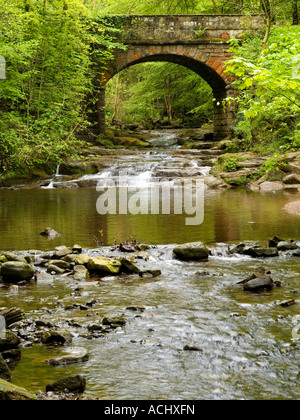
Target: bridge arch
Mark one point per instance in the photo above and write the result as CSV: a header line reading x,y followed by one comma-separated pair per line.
x,y
176,39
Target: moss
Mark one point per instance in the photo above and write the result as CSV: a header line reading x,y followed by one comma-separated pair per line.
x,y
9,391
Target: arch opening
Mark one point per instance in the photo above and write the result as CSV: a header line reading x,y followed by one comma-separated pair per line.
x,y
213,74
156,94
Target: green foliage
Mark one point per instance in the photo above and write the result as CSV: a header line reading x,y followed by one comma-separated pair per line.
x,y
50,49
274,163
269,85
228,163
159,91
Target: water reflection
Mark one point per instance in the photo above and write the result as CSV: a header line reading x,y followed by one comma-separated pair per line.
x,y
24,214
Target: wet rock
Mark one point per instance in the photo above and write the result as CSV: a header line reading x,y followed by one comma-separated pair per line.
x,y
75,384
82,259
274,242
15,271
114,322
12,392
42,277
291,179
10,256
128,266
296,253
102,266
12,357
53,269
268,186
91,302
149,273
64,265
286,246
10,341
50,233
80,273
259,284
136,308
259,252
77,249
127,248
4,370
238,249
61,251
191,251
75,355
287,303
55,337
188,347
12,315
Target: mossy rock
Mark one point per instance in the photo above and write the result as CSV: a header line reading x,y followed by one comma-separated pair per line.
x,y
103,265
130,142
10,392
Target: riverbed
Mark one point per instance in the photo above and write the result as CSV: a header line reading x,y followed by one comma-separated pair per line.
x,y
244,342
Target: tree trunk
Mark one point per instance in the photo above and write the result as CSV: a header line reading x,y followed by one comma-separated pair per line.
x,y
216,7
267,6
295,12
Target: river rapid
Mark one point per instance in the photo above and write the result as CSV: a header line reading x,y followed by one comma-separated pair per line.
x,y
190,333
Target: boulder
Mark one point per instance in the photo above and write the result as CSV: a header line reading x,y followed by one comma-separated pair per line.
x,y
75,355
42,277
128,266
189,347
12,392
80,273
259,284
10,256
64,265
191,251
55,337
50,233
53,269
149,273
61,251
10,341
82,259
4,370
259,252
274,242
77,249
15,271
286,246
75,384
11,315
103,266
268,186
114,322
292,179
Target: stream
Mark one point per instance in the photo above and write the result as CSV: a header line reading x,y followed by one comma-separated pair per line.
x,y
244,342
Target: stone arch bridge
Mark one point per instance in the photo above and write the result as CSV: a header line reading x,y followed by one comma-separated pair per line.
x,y
198,42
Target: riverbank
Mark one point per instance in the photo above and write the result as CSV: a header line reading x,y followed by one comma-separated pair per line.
x,y
120,301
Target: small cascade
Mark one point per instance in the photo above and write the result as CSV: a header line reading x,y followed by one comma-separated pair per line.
x,y
57,174
51,186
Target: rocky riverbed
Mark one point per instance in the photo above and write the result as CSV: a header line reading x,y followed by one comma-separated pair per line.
x,y
62,323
